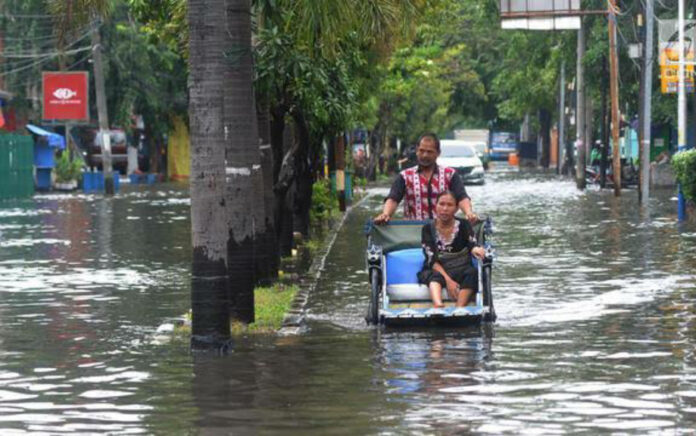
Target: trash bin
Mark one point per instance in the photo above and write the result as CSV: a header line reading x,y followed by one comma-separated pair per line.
x,y
94,181
43,178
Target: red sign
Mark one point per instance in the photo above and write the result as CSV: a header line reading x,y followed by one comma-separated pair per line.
x,y
66,96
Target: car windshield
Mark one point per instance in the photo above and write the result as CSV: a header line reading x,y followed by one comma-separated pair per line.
x,y
457,151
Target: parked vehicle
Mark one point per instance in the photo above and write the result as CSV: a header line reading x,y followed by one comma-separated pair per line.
x,y
89,142
462,157
502,144
477,138
394,257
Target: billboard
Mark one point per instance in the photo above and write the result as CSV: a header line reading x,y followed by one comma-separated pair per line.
x,y
540,14
668,36
66,96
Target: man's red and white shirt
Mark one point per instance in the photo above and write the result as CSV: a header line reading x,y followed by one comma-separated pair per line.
x,y
421,193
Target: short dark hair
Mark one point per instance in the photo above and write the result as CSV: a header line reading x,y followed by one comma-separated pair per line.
x,y
432,136
443,193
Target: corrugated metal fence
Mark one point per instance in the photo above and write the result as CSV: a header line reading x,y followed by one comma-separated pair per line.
x,y
16,166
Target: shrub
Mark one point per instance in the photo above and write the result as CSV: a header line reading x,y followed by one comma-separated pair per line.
x,y
68,169
361,182
324,202
684,165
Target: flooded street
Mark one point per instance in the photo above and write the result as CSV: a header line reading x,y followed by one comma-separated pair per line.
x,y
596,330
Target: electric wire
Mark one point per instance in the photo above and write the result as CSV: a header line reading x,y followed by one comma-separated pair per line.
x,y
46,59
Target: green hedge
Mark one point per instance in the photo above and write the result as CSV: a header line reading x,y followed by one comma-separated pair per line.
x,y
684,165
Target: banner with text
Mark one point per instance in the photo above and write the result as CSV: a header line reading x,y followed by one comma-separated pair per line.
x,y
668,31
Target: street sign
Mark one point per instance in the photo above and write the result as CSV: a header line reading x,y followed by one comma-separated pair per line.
x,y
668,32
66,96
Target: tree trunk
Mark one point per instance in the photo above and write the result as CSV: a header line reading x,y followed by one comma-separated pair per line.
x,y
209,294
376,138
303,174
283,180
243,200
268,260
284,198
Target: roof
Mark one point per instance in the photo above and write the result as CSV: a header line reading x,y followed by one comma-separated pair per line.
x,y
54,140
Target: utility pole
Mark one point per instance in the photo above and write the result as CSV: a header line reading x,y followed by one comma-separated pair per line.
x,y
614,91
646,115
101,109
561,120
605,128
580,110
681,109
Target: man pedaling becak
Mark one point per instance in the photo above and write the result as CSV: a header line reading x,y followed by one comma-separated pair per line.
x,y
420,185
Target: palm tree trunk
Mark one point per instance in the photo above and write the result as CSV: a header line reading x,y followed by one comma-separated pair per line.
x,y
209,282
244,198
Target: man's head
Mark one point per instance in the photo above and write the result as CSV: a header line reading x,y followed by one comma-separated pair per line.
x,y
428,150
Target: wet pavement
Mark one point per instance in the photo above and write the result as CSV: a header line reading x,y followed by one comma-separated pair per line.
x,y
596,303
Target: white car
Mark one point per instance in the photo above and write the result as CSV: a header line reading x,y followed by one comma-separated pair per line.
x,y
462,157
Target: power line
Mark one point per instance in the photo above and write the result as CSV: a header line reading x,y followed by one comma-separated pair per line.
x,y
46,59
33,55
38,79
10,15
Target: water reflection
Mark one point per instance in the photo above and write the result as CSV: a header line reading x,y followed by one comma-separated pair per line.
x,y
425,362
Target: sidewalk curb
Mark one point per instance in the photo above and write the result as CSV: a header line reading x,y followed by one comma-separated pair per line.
x,y
293,322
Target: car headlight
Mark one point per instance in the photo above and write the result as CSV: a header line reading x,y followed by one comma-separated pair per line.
x,y
477,170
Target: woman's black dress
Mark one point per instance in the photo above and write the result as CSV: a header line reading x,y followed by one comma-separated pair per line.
x,y
438,249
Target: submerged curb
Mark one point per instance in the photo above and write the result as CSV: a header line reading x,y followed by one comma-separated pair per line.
x,y
294,319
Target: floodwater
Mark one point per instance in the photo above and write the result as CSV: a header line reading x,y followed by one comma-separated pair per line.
x,y
596,329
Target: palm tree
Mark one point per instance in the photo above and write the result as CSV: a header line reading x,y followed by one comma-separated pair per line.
x,y
244,197
209,227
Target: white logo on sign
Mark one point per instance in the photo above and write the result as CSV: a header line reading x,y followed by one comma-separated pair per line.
x,y
64,93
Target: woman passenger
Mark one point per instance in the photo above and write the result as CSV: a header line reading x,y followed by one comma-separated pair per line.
x,y
448,243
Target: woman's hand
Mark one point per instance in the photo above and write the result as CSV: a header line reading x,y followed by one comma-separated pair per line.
x,y
478,252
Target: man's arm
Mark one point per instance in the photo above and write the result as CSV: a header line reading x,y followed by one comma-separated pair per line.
x,y
392,202
387,211
463,200
465,207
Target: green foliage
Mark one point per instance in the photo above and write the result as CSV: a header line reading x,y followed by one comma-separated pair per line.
x,y
70,15
324,202
684,165
270,306
143,75
164,21
68,169
361,182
